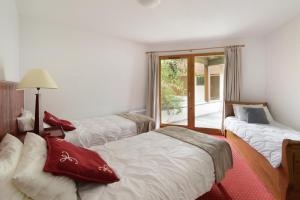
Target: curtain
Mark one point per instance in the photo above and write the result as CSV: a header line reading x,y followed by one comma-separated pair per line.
x,y
232,76
152,104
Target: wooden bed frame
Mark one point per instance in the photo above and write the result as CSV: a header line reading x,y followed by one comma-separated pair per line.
x,y
11,105
283,182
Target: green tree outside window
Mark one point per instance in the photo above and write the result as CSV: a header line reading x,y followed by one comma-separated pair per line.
x,y
173,84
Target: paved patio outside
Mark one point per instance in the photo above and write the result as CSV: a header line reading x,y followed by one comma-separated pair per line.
x,y
212,120
208,115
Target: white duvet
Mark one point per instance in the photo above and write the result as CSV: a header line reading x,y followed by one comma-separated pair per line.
x,y
99,130
266,139
153,166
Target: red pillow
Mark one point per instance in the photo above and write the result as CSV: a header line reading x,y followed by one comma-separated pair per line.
x,y
66,159
55,121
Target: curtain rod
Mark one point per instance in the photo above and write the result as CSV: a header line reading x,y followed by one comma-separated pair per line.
x,y
191,50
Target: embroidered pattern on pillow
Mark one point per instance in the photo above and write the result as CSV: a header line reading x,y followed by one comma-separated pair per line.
x,y
65,156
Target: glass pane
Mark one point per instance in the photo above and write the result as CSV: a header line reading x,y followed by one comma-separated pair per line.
x,y
209,74
174,91
215,87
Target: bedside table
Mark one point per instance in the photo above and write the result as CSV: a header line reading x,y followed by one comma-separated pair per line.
x,y
53,131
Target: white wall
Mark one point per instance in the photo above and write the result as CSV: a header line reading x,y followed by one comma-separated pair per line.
x,y
96,74
283,73
9,47
253,58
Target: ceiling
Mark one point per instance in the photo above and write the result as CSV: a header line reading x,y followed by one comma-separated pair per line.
x,y
172,20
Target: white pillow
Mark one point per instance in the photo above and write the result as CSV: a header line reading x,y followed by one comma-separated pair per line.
x,y
268,114
241,114
10,152
33,181
25,121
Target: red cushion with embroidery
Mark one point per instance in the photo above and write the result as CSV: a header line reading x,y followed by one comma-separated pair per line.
x,y
66,159
55,121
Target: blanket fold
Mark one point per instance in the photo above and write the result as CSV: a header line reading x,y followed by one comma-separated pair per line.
x,y
143,123
218,149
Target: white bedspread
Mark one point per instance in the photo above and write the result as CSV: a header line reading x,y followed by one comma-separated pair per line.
x,y
99,130
153,166
266,139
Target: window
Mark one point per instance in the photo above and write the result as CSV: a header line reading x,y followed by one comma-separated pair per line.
x,y
191,90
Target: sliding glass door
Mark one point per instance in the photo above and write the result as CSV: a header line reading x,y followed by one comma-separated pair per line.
x,y
191,91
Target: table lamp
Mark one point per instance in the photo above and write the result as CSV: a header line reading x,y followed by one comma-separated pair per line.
x,y
37,78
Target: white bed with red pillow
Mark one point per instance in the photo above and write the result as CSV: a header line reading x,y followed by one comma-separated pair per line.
x,y
99,130
147,166
93,131
153,166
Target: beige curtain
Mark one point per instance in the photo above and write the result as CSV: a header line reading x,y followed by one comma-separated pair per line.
x,y
232,76
152,104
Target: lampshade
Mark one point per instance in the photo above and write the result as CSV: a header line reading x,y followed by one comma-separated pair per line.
x,y
37,78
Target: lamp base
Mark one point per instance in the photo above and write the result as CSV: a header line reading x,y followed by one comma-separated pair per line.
x,y
38,122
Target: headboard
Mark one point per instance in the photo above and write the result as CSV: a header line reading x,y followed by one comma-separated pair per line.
x,y
229,107
11,105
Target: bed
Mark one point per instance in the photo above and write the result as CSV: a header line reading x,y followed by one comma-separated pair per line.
x,y
88,132
150,165
99,130
153,166
272,151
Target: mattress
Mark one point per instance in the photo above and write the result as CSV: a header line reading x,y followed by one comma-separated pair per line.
x,y
99,130
153,166
266,139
